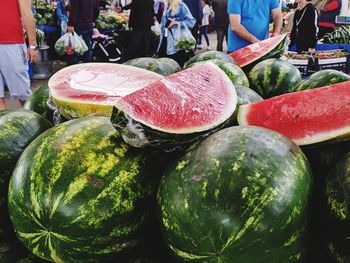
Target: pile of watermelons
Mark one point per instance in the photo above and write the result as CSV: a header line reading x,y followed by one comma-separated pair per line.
x,y
198,165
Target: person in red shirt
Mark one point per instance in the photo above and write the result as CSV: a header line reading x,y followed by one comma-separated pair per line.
x,y
326,19
14,53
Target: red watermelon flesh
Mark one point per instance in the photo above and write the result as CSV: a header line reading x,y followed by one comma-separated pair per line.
x,y
92,88
192,100
306,117
253,52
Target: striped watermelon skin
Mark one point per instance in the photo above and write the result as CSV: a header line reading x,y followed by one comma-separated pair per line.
x,y
163,67
238,196
337,213
80,194
17,130
273,77
210,55
323,78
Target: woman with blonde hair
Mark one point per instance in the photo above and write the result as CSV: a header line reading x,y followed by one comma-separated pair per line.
x,y
176,14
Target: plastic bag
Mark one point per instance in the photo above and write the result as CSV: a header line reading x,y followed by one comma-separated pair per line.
x,y
71,44
156,29
183,38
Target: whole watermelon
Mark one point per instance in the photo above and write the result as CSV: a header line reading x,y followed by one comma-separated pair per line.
x,y
18,128
272,77
246,95
241,195
163,67
323,78
234,72
209,55
337,214
37,102
80,194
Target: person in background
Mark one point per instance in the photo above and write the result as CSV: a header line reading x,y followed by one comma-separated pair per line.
x,y
62,17
82,15
221,22
304,31
158,9
176,14
196,9
14,53
249,21
140,21
326,19
203,30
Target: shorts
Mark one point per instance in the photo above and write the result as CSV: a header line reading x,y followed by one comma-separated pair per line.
x,y
14,71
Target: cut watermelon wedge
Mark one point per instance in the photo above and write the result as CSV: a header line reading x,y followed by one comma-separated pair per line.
x,y
306,117
177,109
272,47
92,88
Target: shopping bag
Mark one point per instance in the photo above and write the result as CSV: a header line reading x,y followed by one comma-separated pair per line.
x,y
79,45
183,37
156,29
70,44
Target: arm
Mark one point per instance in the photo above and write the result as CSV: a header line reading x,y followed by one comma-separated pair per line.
x,y
73,15
59,12
240,30
200,12
311,18
29,25
277,21
293,33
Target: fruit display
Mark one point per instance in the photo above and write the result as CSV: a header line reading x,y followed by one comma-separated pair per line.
x,y
241,195
163,67
272,77
159,164
306,117
340,35
174,111
250,55
93,88
112,21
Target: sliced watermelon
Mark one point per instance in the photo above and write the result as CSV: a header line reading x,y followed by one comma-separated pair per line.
x,y
306,117
92,88
272,47
177,109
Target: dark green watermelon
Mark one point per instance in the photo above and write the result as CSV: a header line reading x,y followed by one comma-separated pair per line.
x,y
80,194
241,195
17,130
209,55
323,78
272,77
234,72
337,214
163,67
173,64
37,102
246,95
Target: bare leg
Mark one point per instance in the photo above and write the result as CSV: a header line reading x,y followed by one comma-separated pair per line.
x,y
2,104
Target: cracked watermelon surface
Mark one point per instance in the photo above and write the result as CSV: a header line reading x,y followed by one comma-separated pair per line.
x,y
177,109
306,117
240,195
250,55
80,194
93,88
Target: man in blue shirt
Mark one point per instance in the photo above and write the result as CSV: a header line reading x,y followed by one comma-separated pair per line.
x,y
249,21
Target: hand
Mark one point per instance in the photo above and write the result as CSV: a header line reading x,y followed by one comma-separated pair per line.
x,y
32,55
254,40
70,29
118,9
172,22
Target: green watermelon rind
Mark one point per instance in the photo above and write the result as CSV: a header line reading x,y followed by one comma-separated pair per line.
x,y
155,65
209,55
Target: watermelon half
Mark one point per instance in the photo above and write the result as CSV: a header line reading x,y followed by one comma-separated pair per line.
x,y
178,109
306,117
92,88
272,47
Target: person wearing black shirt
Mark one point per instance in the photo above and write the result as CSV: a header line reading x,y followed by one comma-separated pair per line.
x,y
304,31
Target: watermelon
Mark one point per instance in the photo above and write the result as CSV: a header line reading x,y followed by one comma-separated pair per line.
x,y
89,193
234,72
172,63
306,117
337,214
92,88
246,95
13,252
37,102
156,65
178,109
250,55
209,55
240,195
273,77
18,128
323,78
